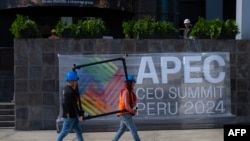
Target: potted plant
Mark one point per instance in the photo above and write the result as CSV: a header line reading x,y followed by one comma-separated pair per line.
x,y
24,27
64,30
144,27
74,30
229,29
148,27
165,29
200,29
90,28
93,28
215,28
127,27
78,30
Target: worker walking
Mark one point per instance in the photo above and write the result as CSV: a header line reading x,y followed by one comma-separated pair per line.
x,y
72,110
188,29
127,103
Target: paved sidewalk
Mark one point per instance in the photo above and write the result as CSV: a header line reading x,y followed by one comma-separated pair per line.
x,y
155,135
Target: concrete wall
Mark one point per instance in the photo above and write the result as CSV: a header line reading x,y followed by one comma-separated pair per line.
x,y
36,74
6,86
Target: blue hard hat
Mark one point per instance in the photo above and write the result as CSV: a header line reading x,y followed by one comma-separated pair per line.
x,y
72,76
130,78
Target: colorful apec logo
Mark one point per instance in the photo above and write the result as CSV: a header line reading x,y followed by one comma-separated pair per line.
x,y
99,84
97,87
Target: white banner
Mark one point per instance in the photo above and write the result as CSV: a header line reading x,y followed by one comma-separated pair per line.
x,y
169,85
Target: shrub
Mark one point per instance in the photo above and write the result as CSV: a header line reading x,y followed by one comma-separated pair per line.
x,y
200,29
214,29
127,27
24,27
94,27
229,29
165,29
90,28
148,27
144,27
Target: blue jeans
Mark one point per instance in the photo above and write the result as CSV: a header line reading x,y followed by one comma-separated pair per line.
x,y
126,123
68,124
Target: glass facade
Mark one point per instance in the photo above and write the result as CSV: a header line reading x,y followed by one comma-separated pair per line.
x,y
126,5
48,12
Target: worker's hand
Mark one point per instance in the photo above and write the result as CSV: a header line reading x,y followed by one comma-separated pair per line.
x,y
81,118
134,110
